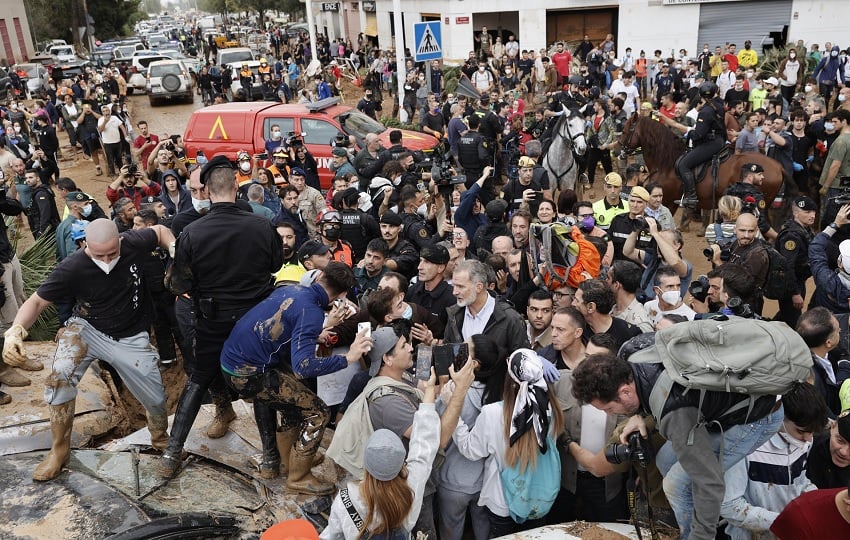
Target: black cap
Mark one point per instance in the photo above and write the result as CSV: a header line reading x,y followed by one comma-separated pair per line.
x,y
495,209
77,196
217,162
310,248
753,167
436,254
150,199
391,218
805,203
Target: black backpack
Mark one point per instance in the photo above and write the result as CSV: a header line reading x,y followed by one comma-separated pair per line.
x,y
778,276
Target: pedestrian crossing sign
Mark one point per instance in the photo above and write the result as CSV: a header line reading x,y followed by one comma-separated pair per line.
x,y
428,39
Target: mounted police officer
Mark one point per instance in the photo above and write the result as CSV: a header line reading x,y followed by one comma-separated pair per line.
x,y
706,139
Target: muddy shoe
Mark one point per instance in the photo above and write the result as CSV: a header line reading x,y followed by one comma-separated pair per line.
x,y
10,377
30,364
5,398
168,466
61,424
221,423
301,479
158,427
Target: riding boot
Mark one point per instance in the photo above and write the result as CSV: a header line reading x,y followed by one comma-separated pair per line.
x,y
301,479
267,425
285,441
187,410
224,415
689,198
158,427
10,376
61,424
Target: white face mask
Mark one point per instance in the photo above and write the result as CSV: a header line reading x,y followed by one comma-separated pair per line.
x,y
808,88
842,97
106,267
792,56
201,205
276,135
422,210
829,126
671,297
481,68
86,211
245,166
18,128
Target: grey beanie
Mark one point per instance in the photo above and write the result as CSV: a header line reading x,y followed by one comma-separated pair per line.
x,y
384,456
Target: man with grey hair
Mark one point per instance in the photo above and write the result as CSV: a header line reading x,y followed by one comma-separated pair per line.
x,y
477,312
456,127
255,199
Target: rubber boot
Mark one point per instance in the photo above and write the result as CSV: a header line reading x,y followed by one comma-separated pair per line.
x,y
267,425
689,198
187,410
301,479
61,424
285,441
224,415
10,376
158,427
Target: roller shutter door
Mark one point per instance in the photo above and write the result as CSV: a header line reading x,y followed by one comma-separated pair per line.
x,y
736,22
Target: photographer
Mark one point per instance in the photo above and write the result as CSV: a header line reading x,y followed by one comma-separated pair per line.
x,y
835,178
750,252
132,184
832,289
665,247
162,158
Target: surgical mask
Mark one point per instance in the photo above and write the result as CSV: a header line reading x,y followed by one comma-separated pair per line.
x,y
792,441
408,312
829,126
808,88
201,205
758,87
201,159
397,180
587,224
422,210
792,56
332,233
18,128
245,166
276,135
833,54
671,297
750,74
842,97
481,69
705,50
508,72
86,211
106,267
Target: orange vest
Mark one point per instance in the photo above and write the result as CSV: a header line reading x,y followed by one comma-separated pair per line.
x,y
280,177
342,253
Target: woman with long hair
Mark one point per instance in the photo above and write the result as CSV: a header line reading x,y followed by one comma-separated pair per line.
x,y
514,432
271,200
461,479
389,498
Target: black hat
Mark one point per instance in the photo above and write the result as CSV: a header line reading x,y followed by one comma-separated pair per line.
x,y
217,162
391,218
150,199
339,152
77,196
310,248
495,209
805,203
753,167
485,98
436,254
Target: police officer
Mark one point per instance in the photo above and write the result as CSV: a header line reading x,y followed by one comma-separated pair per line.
x,y
358,227
225,261
793,244
706,139
752,176
491,127
368,107
395,149
474,153
418,230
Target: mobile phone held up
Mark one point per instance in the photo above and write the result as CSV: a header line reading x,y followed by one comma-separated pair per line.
x,y
440,357
365,326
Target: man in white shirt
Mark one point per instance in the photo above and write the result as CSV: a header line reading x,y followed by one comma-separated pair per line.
x,y
725,80
626,86
112,132
668,296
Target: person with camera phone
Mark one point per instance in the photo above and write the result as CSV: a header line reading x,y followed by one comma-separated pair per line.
x,y
163,158
832,288
524,192
133,184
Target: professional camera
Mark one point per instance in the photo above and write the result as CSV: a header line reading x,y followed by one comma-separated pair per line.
x,y
638,450
441,169
843,197
640,224
699,288
725,253
295,139
739,308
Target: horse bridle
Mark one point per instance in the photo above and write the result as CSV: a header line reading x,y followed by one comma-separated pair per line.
x,y
570,143
626,147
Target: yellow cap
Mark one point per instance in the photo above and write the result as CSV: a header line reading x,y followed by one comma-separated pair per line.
x,y
526,162
614,179
640,193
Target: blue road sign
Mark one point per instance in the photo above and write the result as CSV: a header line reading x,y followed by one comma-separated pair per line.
x,y
428,41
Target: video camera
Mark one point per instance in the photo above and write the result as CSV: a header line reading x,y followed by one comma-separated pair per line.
x,y
638,450
844,197
739,308
441,170
294,139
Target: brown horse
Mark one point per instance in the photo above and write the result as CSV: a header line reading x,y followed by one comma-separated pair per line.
x,y
661,148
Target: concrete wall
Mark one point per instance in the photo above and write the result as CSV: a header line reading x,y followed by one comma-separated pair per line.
x,y
14,30
820,21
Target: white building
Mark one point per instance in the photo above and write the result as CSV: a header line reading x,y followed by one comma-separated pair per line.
x,y
16,44
640,24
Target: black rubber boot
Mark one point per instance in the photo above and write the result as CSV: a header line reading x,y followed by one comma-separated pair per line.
x,y
689,199
187,410
267,425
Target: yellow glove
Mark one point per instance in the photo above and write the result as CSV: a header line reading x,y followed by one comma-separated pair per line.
x,y
13,346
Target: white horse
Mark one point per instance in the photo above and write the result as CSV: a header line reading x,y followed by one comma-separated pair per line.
x,y
567,139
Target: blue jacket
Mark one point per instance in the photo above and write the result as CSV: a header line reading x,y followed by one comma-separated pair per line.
x,y
463,217
830,291
323,90
281,331
829,69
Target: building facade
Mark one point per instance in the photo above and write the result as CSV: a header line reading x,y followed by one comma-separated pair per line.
x,y
16,44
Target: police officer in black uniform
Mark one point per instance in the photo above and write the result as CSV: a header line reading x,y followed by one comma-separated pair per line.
x,y
747,189
395,149
474,152
358,227
225,261
706,139
793,244
418,230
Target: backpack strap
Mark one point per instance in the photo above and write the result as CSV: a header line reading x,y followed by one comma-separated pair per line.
x,y
349,507
659,394
718,233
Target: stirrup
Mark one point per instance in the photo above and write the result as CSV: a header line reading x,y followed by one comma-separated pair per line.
x,y
689,201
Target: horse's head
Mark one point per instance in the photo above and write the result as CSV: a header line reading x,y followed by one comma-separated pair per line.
x,y
630,138
575,132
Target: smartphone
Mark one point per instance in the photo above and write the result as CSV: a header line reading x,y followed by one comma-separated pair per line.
x,y
461,355
263,155
538,196
364,326
423,362
443,358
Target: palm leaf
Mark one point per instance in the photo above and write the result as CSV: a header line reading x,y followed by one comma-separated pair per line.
x,y
37,261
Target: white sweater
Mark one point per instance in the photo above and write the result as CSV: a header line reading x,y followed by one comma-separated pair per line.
x,y
424,442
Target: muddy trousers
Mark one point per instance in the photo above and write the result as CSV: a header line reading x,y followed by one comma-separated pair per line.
x,y
133,358
300,407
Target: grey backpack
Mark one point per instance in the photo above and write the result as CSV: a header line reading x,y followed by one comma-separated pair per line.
x,y
737,355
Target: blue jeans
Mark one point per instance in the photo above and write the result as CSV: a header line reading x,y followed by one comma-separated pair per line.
x,y
738,443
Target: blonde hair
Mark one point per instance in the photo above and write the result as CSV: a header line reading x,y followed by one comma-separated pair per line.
x,y
387,502
524,451
729,207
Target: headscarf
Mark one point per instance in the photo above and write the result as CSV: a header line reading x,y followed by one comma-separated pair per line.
x,y
531,408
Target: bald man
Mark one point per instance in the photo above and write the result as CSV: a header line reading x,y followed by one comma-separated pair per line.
x,y
110,323
750,251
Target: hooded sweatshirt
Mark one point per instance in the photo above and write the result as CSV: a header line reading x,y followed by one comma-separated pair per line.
x,y
827,70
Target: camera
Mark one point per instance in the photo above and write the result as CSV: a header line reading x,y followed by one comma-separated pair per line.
x,y
699,287
725,253
739,308
441,170
638,450
294,139
132,169
640,224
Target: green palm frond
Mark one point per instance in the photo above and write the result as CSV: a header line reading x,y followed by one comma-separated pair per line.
x,y
37,262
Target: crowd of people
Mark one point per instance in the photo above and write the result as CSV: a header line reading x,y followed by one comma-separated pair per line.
x,y
474,361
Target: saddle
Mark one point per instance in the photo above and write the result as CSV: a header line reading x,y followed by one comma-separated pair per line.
x,y
700,170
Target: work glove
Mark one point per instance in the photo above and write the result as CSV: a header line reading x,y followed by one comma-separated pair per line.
x,y
550,372
797,167
13,346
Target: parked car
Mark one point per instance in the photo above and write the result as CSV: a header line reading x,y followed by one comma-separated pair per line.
x,y
230,127
139,63
35,77
236,85
64,53
234,55
167,80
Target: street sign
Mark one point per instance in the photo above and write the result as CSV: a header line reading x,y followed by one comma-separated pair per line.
x,y
428,39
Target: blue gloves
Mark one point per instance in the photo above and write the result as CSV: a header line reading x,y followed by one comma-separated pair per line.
x,y
797,167
810,158
550,372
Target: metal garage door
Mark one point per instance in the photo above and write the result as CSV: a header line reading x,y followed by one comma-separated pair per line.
x,y
736,22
